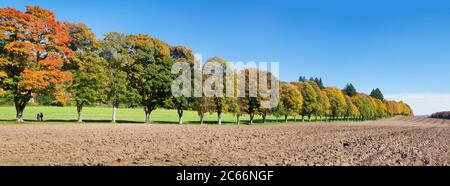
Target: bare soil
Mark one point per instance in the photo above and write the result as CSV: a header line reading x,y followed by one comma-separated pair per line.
x,y
402,141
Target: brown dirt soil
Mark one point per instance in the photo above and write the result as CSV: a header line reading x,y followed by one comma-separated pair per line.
x,y
402,141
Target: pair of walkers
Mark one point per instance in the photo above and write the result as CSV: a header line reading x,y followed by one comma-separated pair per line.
x,y
40,117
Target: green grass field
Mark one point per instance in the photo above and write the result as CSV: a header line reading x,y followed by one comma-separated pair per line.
x,y
125,115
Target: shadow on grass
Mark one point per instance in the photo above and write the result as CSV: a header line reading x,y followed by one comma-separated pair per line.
x,y
72,121
210,122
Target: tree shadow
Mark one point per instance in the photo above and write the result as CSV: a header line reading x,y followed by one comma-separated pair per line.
x,y
93,121
73,121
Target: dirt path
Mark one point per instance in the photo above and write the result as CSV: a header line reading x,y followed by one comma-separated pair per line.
x,y
405,141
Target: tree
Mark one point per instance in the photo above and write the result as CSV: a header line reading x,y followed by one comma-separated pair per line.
x,y
150,71
380,108
220,101
302,79
182,54
323,106
364,105
309,99
351,111
254,98
253,103
337,101
376,93
203,105
291,101
391,107
318,81
115,51
237,104
86,67
279,111
406,109
237,107
33,48
263,111
350,90
441,115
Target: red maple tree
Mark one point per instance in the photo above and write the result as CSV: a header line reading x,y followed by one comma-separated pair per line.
x,y
33,49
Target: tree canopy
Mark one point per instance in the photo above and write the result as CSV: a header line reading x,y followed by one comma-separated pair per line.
x,y
291,101
350,90
376,93
34,47
337,101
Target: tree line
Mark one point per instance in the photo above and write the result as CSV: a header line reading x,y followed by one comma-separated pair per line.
x,y
441,115
58,63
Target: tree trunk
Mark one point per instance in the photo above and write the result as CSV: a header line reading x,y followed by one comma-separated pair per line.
x,y
286,118
251,118
20,104
80,111
19,114
238,119
114,114
147,117
202,115
303,118
180,116
264,118
219,118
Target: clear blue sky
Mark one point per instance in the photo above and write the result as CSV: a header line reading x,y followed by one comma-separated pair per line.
x,y
400,46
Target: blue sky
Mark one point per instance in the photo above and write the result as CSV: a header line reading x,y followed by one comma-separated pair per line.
x,y
402,47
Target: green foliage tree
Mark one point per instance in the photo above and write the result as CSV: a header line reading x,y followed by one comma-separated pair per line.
x,y
280,111
115,51
302,79
318,81
150,71
376,93
87,68
350,90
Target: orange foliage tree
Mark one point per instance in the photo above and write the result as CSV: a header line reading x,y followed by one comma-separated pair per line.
x,y
33,49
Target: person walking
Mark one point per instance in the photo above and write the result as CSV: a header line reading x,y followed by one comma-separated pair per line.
x,y
38,117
